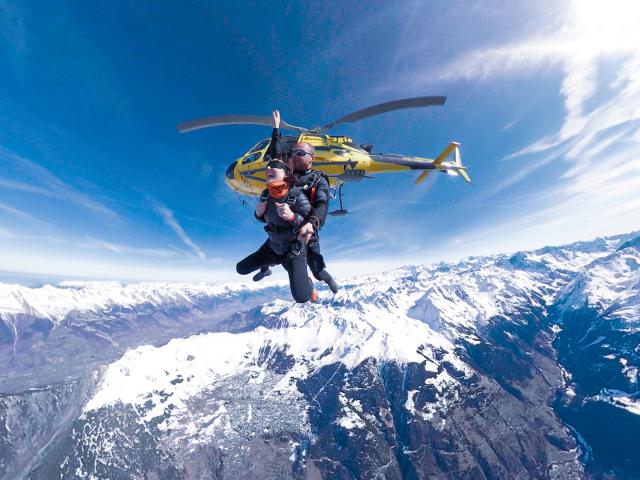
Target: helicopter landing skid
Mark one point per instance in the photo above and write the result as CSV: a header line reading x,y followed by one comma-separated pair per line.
x,y
342,211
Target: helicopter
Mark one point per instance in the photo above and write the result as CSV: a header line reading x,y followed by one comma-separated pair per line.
x,y
337,156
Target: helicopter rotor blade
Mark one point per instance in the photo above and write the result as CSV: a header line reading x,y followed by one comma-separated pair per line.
x,y
288,126
233,120
386,107
223,120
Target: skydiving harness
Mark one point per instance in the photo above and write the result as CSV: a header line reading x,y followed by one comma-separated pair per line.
x,y
310,187
290,200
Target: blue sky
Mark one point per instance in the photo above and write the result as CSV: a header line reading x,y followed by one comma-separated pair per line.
x,y
96,182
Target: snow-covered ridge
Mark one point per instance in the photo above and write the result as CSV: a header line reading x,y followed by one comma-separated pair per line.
x,y
611,285
55,302
308,337
404,315
422,329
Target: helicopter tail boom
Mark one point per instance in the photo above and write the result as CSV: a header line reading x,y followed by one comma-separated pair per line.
x,y
455,168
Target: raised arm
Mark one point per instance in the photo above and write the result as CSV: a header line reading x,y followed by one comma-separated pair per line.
x,y
275,148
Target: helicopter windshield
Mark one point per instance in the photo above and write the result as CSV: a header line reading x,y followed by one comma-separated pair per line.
x,y
256,152
230,170
263,144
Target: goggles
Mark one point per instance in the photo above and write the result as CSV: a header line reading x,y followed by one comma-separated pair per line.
x,y
297,153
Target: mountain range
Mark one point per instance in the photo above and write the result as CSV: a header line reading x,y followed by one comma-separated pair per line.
x,y
520,365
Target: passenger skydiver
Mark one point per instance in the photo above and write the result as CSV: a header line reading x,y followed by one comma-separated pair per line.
x,y
283,207
315,185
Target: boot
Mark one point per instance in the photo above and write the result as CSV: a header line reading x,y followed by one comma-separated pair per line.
x,y
328,279
264,272
314,296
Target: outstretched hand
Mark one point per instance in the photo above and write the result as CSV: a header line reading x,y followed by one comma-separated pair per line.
x,y
275,119
306,232
284,212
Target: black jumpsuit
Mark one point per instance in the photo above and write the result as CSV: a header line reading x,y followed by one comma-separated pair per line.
x,y
283,245
318,188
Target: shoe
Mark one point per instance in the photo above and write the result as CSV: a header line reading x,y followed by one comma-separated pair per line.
x,y
332,284
314,296
328,279
264,272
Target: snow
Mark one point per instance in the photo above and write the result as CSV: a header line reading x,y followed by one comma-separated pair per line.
x,y
618,398
630,371
351,413
353,334
404,315
410,403
611,285
56,302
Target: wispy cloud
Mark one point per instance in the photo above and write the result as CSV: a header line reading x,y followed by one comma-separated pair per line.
x,y
21,214
592,32
93,243
597,138
509,125
43,182
170,220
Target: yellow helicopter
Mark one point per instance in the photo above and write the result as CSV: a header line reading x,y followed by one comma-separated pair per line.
x,y
337,156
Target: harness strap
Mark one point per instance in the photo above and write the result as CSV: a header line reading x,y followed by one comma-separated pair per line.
x,y
270,227
292,196
311,185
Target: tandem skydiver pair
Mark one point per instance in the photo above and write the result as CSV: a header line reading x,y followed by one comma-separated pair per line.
x,y
293,207
342,159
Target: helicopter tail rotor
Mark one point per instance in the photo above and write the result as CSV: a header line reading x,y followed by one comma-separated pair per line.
x,y
455,168
458,167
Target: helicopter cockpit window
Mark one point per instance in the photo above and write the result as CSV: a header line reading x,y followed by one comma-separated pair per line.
x,y
252,158
262,145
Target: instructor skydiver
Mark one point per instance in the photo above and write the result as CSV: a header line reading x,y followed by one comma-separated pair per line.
x,y
315,185
284,208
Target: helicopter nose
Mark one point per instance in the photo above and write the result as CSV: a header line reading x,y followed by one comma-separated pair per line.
x,y
230,170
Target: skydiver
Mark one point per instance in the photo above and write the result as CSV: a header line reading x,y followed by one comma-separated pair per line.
x,y
283,207
316,186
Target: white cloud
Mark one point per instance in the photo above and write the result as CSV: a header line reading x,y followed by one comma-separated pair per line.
x,y
510,125
21,214
592,32
170,220
48,185
74,266
92,243
598,139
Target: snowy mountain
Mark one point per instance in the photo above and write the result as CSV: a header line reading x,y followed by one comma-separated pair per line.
x,y
510,366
